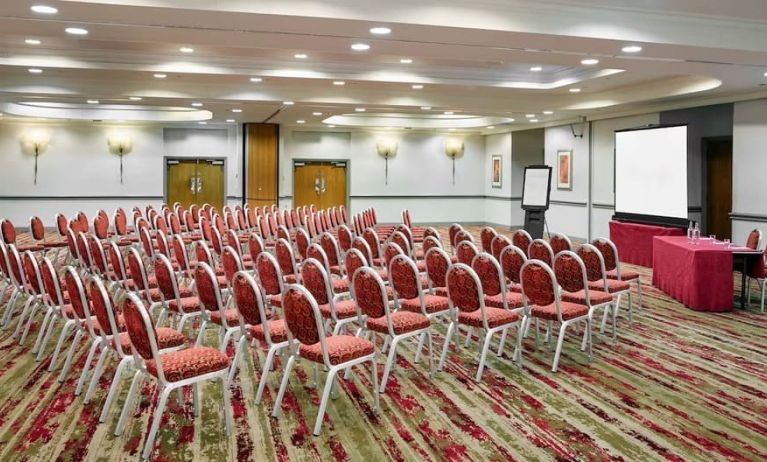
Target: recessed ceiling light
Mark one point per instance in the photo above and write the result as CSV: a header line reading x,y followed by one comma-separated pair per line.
x,y
237,110
491,127
300,121
339,83
44,9
360,109
256,79
575,90
631,49
331,126
511,120
452,129
202,122
589,61
160,76
93,101
765,74
417,86
426,108
529,116
406,61
449,112
35,70
316,113
135,98
288,103
533,120
548,112
197,104
32,42
300,56
536,69
380,30
360,46
230,120
186,50
76,31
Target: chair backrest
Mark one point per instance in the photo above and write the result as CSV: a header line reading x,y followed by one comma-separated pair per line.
x,y
369,293
754,239
371,237
32,273
315,279
62,223
252,220
51,283
77,296
98,255
486,236
330,246
166,279
233,241
283,233
594,262
437,264
429,242
283,252
302,242
146,242
391,250
354,260
248,299
464,290
431,232
117,262
269,274
570,272
101,226
512,259
102,306
559,242
521,239
345,237
397,237
609,252
452,231
362,246
406,218
540,250
83,251
179,252
202,253
216,243
141,332
162,243
255,245
316,252
137,270
302,316
539,285
231,262
36,228
466,251
174,223
404,278
497,245
14,263
462,236
8,231
490,274
208,290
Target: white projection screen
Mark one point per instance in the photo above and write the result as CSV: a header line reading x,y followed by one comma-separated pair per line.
x,y
651,172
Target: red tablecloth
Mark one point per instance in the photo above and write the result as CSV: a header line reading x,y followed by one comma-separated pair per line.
x,y
635,241
699,276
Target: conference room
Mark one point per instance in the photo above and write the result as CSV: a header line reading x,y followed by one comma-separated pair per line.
x,y
289,231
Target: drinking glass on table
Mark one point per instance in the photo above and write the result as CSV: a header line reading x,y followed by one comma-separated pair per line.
x,y
727,243
712,237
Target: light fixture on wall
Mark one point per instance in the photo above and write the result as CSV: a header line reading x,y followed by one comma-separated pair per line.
x,y
120,143
386,148
581,125
453,149
36,141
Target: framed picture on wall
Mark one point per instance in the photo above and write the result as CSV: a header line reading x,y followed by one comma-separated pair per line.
x,y
565,170
496,173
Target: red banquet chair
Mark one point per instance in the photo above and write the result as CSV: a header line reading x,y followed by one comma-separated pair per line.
x,y
336,353
521,239
317,281
8,232
597,276
486,236
613,268
497,245
559,243
541,250
465,251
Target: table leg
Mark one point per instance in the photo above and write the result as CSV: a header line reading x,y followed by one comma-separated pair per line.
x,y
743,284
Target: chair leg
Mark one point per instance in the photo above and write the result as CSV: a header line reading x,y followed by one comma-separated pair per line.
x,y
448,336
283,386
196,400
86,367
225,340
33,312
96,374
49,331
10,308
201,335
389,361
559,347
70,355
325,395
764,285
483,355
502,342
421,339
227,406
604,319
134,388
469,331
374,382
520,335
63,335
265,373
639,292
113,388
237,357
42,330
23,317
149,445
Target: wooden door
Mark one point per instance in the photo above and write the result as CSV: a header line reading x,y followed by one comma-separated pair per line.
x,y
195,181
322,184
718,187
262,153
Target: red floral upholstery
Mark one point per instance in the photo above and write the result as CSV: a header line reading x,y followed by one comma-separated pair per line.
x,y
432,304
596,297
207,287
31,272
116,260
354,260
626,275
344,309
391,250
300,316
231,263
248,298
437,263
315,281
513,300
463,289
608,254
137,328
538,285
402,322
188,363
188,305
613,285
255,245
569,273
368,294
163,271
495,317
539,250
404,278
400,239
284,255
497,245
101,304
101,226
489,274
486,238
136,268
569,311
269,274
73,283
559,243
277,331
328,243
452,231
37,229
50,280
232,319
340,286
371,237
344,238
341,349
752,241
465,251
302,242
166,338
8,231
521,239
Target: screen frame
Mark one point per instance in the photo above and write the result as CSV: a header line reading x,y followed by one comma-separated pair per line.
x,y
548,193
643,218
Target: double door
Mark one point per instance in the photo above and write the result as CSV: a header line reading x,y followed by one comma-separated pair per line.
x,y
195,181
320,183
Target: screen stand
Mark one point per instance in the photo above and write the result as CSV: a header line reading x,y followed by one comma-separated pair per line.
x,y
534,222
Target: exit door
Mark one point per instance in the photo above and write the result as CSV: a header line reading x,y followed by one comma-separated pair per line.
x,y
322,184
195,181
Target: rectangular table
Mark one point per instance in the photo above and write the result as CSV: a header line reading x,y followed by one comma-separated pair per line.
x,y
698,275
635,241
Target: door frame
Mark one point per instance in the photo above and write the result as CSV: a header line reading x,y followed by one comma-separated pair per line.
x,y
704,176
165,160
348,163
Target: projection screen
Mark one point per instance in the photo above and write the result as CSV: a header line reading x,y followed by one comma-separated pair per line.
x,y
651,172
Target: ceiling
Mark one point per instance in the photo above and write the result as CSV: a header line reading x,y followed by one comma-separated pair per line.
x,y
472,58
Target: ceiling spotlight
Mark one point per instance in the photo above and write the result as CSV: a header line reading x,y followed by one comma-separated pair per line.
x,y
230,121
360,46
256,79
765,74
631,49
186,50
135,98
300,56
533,120
360,109
76,31
44,9
426,108
339,83
93,101
32,42
449,113
331,126
589,61
237,110
197,104
417,87
536,69
35,70
406,61
202,122
316,114
300,121
575,90
529,116
288,103
160,76
380,30
548,112
511,120
491,127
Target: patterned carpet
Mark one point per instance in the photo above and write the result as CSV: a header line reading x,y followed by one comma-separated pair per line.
x,y
678,385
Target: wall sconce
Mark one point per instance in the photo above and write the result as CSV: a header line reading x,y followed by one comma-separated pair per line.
x,y
36,141
453,149
386,148
120,143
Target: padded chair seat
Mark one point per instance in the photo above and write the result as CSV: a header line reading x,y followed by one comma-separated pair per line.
x,y
613,286
513,300
97,327
420,266
626,275
188,304
156,295
402,322
597,297
125,242
54,244
30,247
275,300
290,278
166,338
344,309
433,304
514,287
495,317
341,349
440,291
340,286
232,319
569,311
277,331
188,363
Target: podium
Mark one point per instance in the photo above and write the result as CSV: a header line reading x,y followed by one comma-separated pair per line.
x,y
536,189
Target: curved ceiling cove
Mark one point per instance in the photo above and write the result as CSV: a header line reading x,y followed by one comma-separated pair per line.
x,y
132,113
416,121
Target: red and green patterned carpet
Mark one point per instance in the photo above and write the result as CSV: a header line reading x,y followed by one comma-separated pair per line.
x,y
679,385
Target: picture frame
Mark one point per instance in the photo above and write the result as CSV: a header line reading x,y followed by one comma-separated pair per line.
x,y
496,171
565,170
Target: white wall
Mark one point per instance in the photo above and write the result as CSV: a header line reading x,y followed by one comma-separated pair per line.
x,y
77,171
569,213
749,164
498,202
